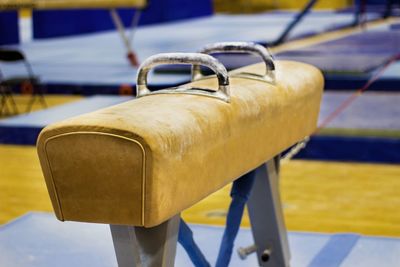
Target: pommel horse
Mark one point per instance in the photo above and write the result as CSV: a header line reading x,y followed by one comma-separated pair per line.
x,y
137,165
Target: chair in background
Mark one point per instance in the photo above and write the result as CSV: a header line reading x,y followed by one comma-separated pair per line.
x,y
29,83
6,96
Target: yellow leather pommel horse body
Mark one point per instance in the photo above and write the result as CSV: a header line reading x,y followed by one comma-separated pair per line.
x,y
138,164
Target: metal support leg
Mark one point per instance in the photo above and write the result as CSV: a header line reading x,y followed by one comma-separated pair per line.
x,y
146,247
7,95
3,101
121,30
266,217
37,93
295,21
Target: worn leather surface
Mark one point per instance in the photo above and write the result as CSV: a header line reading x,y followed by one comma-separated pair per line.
x,y
143,161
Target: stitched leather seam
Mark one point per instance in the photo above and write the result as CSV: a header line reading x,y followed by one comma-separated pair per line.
x,y
108,134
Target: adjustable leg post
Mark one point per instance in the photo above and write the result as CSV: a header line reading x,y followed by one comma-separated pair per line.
x,y
266,217
146,247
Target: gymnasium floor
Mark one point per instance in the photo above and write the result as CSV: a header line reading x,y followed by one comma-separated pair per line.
x,y
324,197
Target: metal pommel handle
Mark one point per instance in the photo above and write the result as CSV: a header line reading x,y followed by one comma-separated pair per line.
x,y
241,47
195,59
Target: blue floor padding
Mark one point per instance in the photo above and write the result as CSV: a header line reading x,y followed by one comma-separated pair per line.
x,y
77,63
25,128
338,63
345,82
377,46
39,240
352,149
395,26
360,52
392,72
375,8
376,41
347,62
372,111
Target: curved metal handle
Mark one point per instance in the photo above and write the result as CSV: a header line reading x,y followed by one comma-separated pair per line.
x,y
184,58
240,47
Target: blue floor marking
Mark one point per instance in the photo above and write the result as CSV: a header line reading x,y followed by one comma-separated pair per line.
x,y
335,251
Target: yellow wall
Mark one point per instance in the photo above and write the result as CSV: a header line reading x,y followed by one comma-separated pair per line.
x,y
327,4
25,13
251,6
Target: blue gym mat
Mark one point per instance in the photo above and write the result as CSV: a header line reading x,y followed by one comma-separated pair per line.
x,y
39,240
82,64
25,128
392,72
377,6
356,53
371,110
366,131
347,62
374,45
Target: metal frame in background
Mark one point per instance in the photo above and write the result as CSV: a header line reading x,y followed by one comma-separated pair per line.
x,y
51,4
359,17
12,55
156,247
127,41
6,96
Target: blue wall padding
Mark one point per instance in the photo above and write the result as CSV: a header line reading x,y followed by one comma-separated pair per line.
x,y
22,135
9,31
372,2
185,238
240,193
354,149
347,82
183,9
56,23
